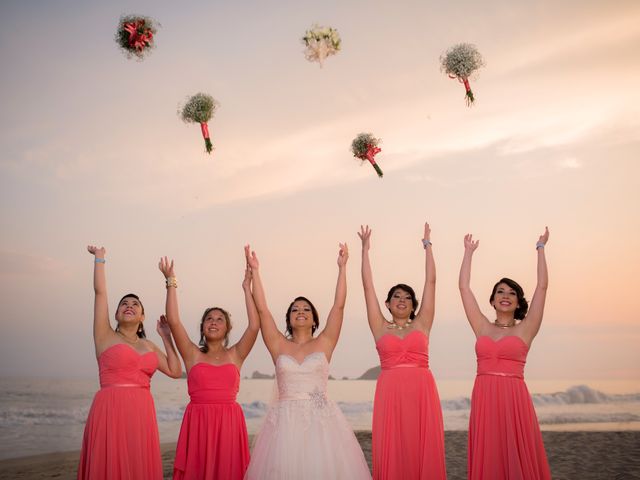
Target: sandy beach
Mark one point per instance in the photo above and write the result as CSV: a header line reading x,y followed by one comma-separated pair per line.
x,y
572,455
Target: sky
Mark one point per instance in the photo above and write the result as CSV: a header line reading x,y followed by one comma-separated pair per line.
x,y
92,151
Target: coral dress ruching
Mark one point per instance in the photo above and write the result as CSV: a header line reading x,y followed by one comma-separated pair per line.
x,y
305,436
408,436
504,436
121,439
213,441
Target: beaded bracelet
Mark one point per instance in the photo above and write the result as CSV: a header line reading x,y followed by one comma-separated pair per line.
x,y
539,245
426,243
100,260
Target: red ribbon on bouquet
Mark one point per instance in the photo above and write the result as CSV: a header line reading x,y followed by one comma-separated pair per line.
x,y
469,94
371,152
205,134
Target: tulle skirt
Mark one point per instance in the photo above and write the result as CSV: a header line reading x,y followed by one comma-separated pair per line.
x,y
307,439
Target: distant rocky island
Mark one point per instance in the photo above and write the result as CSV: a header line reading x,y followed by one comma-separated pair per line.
x,y
372,374
256,375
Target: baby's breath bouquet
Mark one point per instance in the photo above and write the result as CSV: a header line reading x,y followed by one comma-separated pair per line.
x,y
200,109
365,147
460,62
320,42
135,35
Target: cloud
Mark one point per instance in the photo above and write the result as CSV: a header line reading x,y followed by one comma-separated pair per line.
x,y
19,263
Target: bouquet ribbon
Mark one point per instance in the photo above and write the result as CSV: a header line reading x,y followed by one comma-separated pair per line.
x,y
371,152
205,130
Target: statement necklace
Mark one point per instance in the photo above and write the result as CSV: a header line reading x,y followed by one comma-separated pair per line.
x,y
507,325
393,325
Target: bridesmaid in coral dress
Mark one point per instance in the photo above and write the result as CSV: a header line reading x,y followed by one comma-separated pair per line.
x,y
408,436
213,440
121,434
504,436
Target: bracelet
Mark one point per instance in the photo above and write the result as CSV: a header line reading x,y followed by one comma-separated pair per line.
x,y
100,260
426,243
539,245
172,282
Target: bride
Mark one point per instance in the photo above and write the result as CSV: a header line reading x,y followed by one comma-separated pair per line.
x,y
305,435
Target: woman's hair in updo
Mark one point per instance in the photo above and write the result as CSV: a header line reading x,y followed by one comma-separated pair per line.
x,y
523,305
314,312
409,290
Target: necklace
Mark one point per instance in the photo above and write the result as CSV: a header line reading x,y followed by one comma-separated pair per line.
x,y
393,325
126,339
506,325
217,355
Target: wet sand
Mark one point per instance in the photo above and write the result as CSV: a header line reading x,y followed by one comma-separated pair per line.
x,y
572,455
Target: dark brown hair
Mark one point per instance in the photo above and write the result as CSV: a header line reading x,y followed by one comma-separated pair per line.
x,y
523,305
140,332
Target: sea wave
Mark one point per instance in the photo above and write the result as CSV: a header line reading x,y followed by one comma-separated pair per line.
x,y
549,406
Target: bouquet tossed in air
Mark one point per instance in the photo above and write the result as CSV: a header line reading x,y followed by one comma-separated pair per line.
x,y
365,147
135,35
199,109
460,62
320,42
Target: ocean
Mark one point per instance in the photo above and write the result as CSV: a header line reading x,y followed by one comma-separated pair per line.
x,y
48,415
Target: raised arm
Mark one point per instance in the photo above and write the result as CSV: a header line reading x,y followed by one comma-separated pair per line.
x,y
425,315
532,321
248,339
188,350
101,327
471,308
168,363
331,332
272,337
374,314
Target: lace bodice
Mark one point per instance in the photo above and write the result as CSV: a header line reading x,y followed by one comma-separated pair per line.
x,y
302,381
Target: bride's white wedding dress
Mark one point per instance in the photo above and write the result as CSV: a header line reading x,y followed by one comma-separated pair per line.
x,y
305,435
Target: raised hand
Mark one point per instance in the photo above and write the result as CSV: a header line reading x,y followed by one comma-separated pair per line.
x,y
166,267
365,236
162,327
544,238
469,243
248,276
427,232
98,252
252,259
343,255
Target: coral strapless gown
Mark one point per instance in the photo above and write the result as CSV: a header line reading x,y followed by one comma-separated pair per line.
x,y
504,436
213,441
121,439
408,434
305,435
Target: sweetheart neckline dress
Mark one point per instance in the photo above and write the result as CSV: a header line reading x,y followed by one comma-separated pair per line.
x,y
504,436
121,440
407,430
305,435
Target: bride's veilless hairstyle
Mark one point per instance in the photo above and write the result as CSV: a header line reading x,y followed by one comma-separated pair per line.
x,y
140,332
204,348
523,305
409,290
316,318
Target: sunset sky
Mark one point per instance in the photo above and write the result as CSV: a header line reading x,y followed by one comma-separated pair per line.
x,y
92,151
